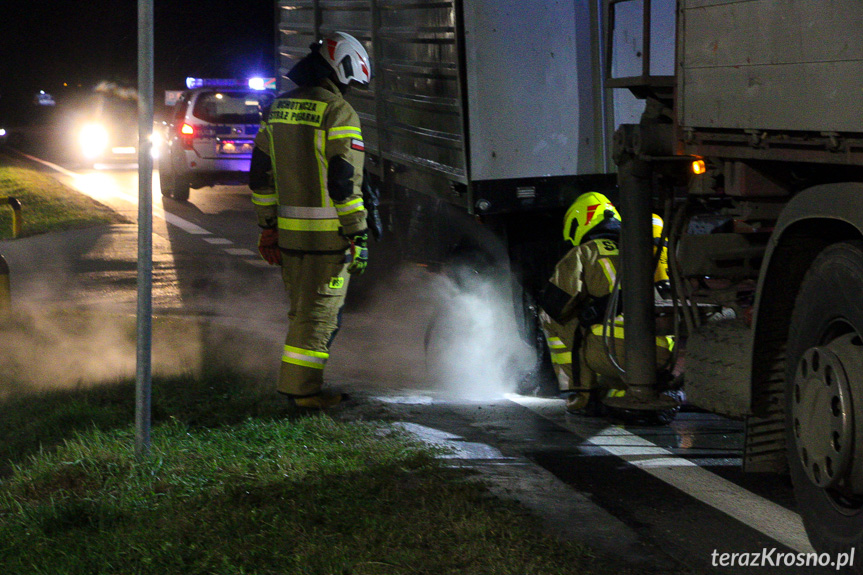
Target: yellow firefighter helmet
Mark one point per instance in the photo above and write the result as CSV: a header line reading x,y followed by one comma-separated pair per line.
x,y
586,212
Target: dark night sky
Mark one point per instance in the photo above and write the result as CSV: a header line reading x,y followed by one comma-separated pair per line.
x,y
44,43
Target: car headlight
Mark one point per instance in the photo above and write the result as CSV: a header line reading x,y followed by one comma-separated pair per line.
x,y
2,132
93,140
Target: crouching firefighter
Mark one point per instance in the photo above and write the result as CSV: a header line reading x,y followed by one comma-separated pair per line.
x,y
306,178
574,303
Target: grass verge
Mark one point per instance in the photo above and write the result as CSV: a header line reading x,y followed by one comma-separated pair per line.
x,y
47,205
238,483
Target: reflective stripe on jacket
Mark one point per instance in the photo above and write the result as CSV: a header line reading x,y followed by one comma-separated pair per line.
x,y
617,332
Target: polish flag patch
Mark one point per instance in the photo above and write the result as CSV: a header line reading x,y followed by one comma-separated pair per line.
x,y
358,145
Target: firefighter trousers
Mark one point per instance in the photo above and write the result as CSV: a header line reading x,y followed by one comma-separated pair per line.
x,y
570,342
317,285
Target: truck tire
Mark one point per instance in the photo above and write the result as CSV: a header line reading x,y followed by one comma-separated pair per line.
x,y
824,400
533,263
472,344
540,381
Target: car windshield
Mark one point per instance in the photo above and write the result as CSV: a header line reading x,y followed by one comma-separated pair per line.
x,y
225,107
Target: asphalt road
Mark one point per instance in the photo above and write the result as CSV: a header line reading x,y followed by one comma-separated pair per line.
x,y
667,499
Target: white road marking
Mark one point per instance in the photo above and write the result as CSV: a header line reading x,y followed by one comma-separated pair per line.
x,y
405,399
773,520
159,212
179,222
457,446
60,169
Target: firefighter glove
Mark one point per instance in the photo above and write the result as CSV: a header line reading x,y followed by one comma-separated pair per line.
x,y
268,246
359,257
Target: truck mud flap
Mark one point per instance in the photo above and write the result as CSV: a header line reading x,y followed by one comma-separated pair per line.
x,y
717,373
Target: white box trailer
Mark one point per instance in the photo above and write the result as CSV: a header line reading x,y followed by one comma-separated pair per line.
x,y
484,120
491,105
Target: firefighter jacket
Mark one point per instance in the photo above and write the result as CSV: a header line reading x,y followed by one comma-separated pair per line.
x,y
575,305
581,278
586,272
311,187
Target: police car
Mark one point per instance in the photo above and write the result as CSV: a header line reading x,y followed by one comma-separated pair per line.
x,y
209,138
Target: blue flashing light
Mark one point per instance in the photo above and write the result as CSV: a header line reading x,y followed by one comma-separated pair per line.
x,y
262,83
253,83
192,83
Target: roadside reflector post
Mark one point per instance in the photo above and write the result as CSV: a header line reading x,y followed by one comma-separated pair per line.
x,y
15,204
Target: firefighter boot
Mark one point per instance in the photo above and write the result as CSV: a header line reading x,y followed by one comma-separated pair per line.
x,y
585,403
323,400
577,402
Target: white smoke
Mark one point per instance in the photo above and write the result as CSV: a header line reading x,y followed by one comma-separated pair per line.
x,y
47,349
116,90
474,349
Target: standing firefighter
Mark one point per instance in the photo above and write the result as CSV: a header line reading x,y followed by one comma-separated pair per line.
x,y
574,305
306,178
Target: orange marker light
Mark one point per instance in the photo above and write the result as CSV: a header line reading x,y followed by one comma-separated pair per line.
x,y
698,167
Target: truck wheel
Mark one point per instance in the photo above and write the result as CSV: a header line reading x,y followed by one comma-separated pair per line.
x,y
472,343
824,400
534,263
541,380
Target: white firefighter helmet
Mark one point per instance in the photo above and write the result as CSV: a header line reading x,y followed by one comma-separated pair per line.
x,y
347,56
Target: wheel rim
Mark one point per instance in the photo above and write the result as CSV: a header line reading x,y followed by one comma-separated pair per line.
x,y
827,380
